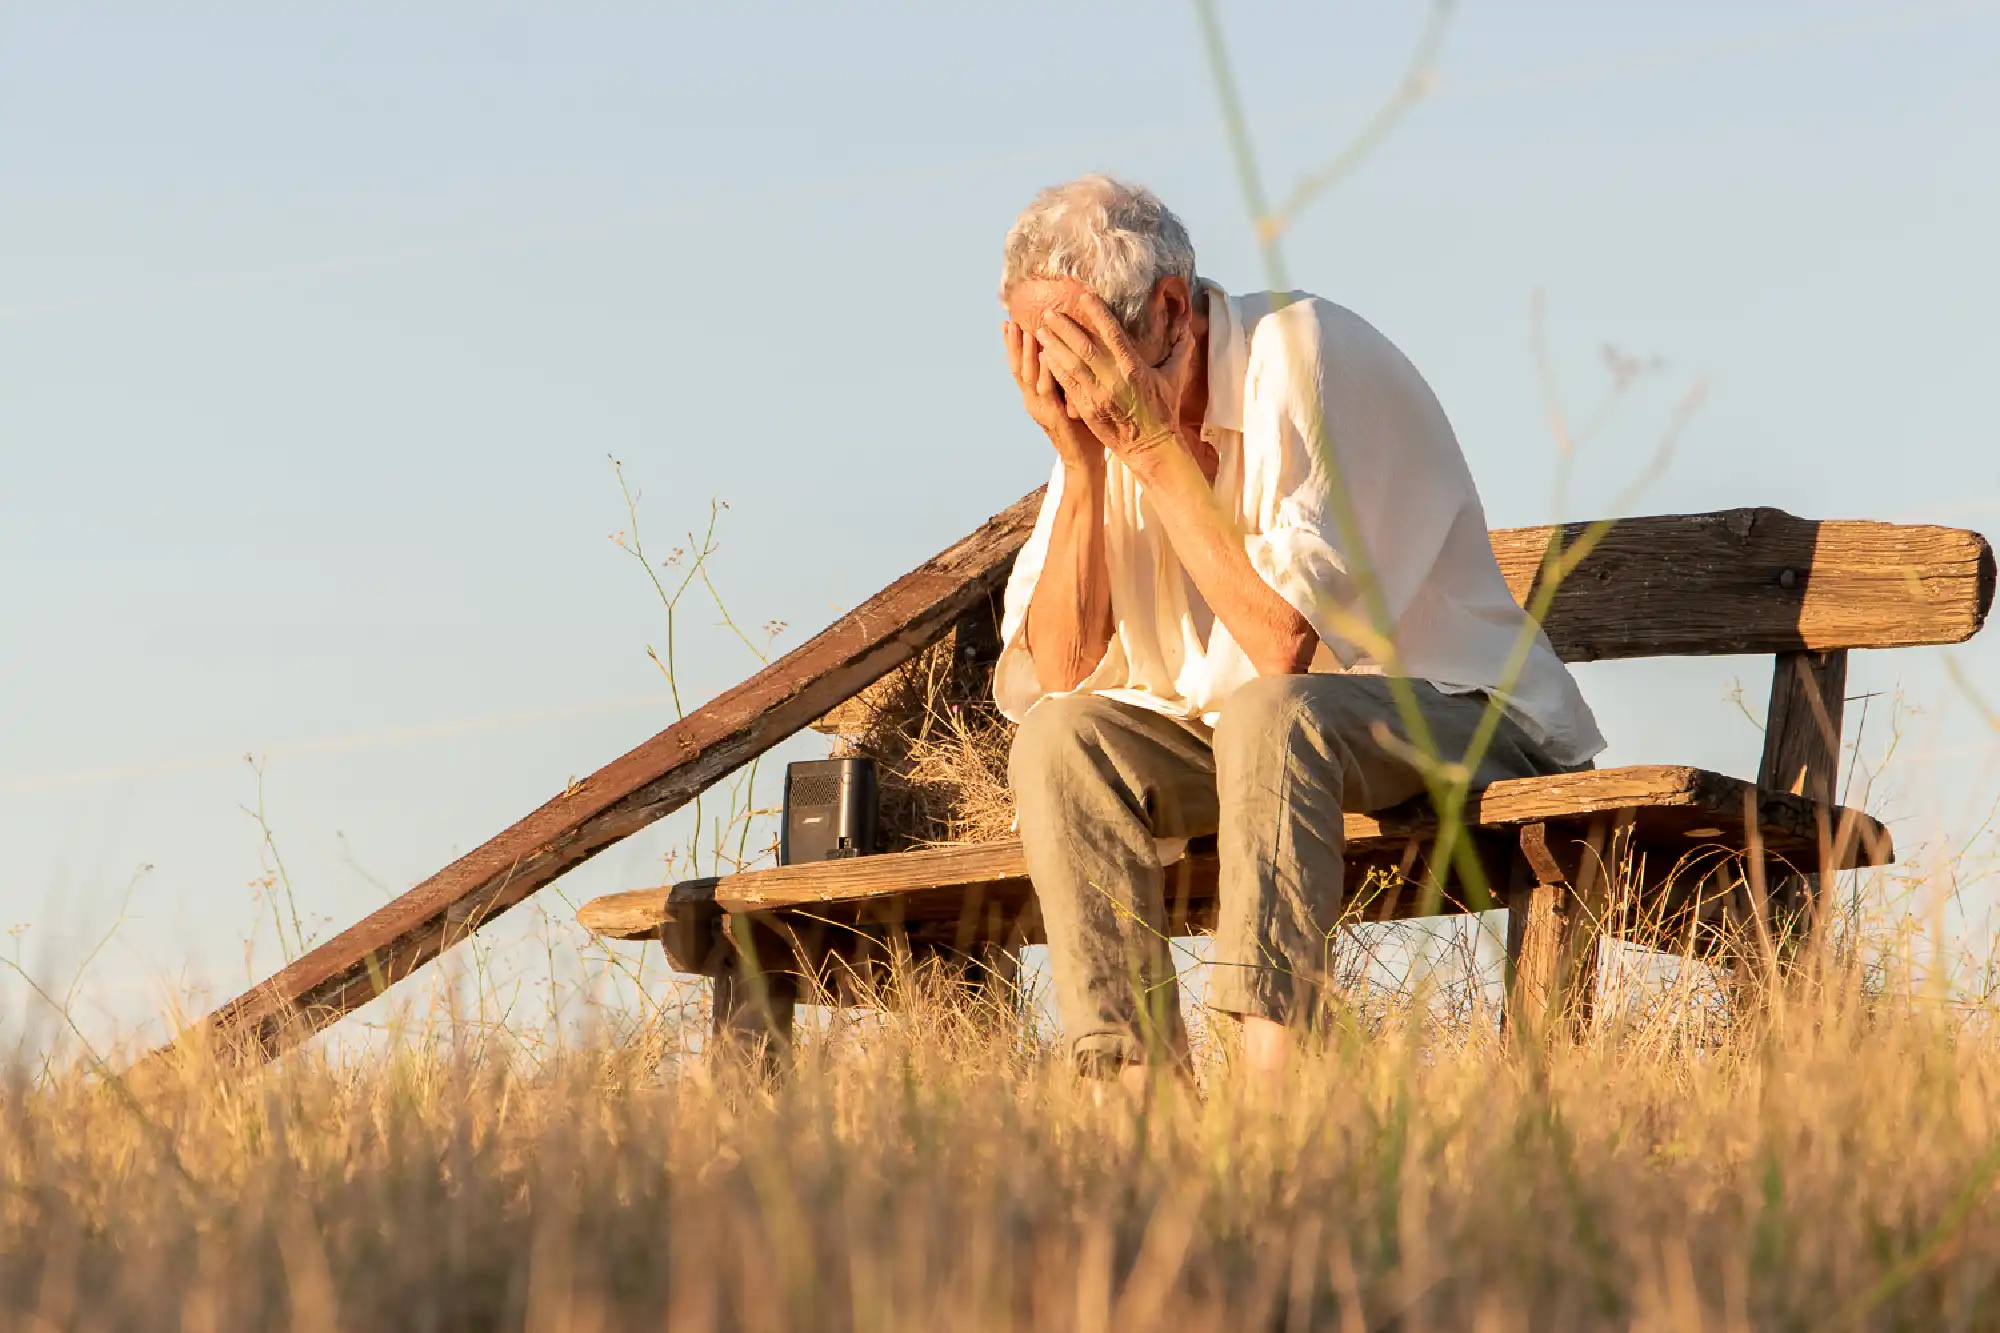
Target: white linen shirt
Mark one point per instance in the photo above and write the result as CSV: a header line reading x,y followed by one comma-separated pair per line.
x,y
1273,368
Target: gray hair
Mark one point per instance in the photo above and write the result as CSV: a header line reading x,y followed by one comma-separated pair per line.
x,y
1116,239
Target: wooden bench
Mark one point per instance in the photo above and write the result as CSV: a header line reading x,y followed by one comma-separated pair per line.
x,y
1705,858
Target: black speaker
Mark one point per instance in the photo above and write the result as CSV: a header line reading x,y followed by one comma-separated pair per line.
x,y
830,808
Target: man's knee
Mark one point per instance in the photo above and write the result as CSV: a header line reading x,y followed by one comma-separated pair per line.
x,y
1057,734
1261,713
1280,711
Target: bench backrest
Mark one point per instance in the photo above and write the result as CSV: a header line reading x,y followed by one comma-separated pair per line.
x,y
1755,581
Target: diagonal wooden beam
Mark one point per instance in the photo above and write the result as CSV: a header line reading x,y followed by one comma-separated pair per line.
x,y
621,798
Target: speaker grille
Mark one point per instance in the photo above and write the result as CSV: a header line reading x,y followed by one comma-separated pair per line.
x,y
816,789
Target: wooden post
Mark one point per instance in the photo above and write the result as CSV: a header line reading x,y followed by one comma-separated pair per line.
x,y
1802,727
997,976
1555,917
753,1012
1534,929
986,950
1801,756
755,1001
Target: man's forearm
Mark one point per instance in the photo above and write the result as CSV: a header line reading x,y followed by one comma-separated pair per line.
x,y
1273,635
1069,617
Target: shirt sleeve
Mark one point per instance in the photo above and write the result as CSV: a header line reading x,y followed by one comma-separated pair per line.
x,y
1325,413
1302,567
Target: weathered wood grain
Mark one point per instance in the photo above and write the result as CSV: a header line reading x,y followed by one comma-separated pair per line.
x,y
1676,803
1802,755
1735,581
1755,581
626,795
1802,725
1557,911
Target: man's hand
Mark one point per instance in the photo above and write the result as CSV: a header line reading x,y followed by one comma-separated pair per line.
x,y
1132,408
1074,443
1069,623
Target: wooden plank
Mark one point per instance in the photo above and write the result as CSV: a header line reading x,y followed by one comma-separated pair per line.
x,y
626,795
871,876
1683,802
1756,581
1748,581
1801,755
1558,909
1537,921
1802,726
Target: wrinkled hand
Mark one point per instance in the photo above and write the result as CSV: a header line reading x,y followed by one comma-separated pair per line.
x,y
1132,408
1072,440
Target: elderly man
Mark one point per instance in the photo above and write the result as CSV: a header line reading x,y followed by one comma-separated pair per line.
x,y
1243,486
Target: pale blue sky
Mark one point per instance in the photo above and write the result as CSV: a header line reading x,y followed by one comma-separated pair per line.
x,y
318,324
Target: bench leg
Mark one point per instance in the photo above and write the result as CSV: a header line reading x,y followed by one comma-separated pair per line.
x,y
1553,927
986,954
980,982
997,975
752,1011
755,1012
1802,729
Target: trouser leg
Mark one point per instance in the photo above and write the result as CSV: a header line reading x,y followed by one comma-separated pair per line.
x,y
1291,754
1094,783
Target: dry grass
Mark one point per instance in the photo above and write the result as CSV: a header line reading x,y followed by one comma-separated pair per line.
x,y
933,1165
934,1168
939,744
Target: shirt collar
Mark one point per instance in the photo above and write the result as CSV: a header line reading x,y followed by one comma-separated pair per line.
x,y
1228,360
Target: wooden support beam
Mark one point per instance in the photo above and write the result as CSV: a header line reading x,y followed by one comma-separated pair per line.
x,y
1802,756
623,797
753,1012
1536,918
996,973
1557,908
1802,726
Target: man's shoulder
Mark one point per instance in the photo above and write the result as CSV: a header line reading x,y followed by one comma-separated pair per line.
x,y
1259,305
1285,327
1297,345
1269,316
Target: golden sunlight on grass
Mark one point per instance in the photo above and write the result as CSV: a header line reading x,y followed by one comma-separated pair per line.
x,y
933,1168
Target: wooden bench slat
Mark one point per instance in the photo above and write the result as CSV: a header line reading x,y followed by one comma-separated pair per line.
x,y
1755,581
1682,808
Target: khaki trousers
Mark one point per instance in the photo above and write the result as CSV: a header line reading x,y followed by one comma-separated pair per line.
x,y
1095,781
